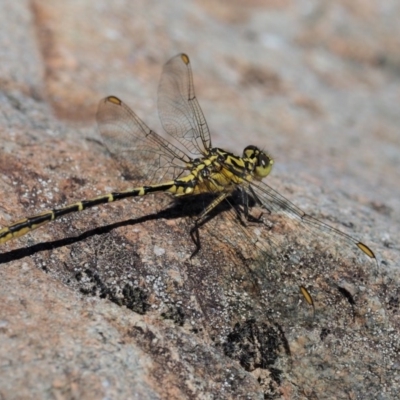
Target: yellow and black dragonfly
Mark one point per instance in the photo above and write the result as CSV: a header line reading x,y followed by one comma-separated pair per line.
x,y
188,165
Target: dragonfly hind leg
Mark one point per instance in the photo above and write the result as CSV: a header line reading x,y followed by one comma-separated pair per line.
x,y
202,219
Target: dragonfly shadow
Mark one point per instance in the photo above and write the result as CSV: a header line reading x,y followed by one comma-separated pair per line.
x,y
178,209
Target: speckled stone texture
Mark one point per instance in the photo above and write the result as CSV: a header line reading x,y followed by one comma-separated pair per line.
x,y
108,304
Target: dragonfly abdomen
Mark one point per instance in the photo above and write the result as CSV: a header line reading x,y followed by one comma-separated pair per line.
x,y
28,224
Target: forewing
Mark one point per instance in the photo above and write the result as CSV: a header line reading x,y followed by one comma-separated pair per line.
x,y
139,151
179,110
303,225
289,219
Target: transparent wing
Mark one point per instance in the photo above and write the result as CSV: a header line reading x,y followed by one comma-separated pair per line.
x,y
179,110
141,152
289,219
303,223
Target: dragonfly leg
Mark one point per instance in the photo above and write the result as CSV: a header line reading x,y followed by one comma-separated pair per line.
x,y
202,219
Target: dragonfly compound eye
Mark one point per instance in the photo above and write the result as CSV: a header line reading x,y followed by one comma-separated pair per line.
x,y
263,165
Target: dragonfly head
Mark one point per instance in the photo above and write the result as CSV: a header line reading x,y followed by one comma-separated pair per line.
x,y
261,161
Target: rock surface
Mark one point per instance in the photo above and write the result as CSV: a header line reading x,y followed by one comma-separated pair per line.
x,y
108,303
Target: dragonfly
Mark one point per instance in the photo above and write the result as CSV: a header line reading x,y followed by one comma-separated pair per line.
x,y
186,165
